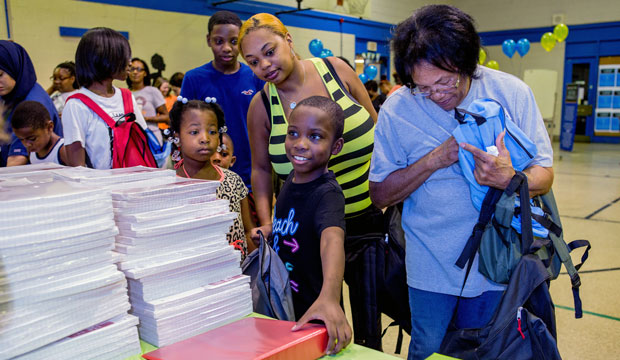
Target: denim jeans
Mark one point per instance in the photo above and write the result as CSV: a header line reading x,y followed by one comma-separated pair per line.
x,y
431,314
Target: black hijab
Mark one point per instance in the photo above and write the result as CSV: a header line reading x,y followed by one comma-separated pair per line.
x,y
14,60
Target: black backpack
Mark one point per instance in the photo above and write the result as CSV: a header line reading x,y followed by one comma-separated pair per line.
x,y
376,261
393,289
523,326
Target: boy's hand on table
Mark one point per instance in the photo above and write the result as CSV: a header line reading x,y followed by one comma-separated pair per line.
x,y
336,323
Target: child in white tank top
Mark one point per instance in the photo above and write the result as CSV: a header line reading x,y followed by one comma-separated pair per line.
x,y
33,127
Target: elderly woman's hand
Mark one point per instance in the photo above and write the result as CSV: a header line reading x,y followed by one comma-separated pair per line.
x,y
445,154
491,170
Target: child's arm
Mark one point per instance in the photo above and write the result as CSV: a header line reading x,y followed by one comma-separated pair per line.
x,y
161,116
16,160
76,156
248,224
327,306
259,128
62,152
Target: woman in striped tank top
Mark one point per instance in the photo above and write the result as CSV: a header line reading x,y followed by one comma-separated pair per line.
x,y
268,49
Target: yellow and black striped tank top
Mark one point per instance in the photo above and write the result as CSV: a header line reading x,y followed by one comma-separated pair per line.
x,y
352,164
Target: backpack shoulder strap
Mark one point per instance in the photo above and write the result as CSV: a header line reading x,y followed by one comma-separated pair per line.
x,y
91,104
563,250
127,100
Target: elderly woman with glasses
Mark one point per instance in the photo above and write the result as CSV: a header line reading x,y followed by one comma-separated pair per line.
x,y
415,160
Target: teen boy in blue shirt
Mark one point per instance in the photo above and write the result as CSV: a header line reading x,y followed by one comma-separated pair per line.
x,y
232,83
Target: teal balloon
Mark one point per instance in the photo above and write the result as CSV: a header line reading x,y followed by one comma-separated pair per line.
x,y
509,47
523,46
325,53
315,47
363,78
370,71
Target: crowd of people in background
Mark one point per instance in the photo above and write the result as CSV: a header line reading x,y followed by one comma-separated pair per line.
x,y
331,152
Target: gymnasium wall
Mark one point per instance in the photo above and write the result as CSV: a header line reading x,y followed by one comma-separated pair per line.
x,y
179,37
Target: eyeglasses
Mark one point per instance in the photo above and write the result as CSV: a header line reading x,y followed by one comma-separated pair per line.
x,y
426,91
53,78
138,69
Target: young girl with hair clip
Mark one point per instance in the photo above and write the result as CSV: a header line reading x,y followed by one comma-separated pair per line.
x,y
197,133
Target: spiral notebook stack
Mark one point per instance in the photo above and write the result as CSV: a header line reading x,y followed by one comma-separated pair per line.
x,y
116,179
183,276
61,294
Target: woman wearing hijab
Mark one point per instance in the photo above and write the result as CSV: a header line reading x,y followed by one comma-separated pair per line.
x,y
18,82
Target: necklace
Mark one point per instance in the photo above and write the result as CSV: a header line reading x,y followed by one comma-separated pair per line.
x,y
185,171
219,172
292,104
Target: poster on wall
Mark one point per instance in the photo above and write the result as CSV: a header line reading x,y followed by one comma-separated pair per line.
x,y
567,130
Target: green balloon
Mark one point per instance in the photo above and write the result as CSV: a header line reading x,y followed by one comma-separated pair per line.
x,y
482,56
560,31
547,41
493,65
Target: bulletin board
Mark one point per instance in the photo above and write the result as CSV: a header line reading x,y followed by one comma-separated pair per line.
x,y
544,84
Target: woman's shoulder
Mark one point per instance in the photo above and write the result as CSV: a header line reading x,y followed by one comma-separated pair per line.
x,y
38,94
152,89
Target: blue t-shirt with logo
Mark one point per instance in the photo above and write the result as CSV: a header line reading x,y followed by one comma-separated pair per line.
x,y
233,93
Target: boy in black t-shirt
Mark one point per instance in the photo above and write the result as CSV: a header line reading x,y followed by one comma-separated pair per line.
x,y
308,226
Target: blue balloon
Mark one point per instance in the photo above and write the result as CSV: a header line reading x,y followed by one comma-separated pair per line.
x,y
315,46
509,47
523,46
326,52
370,71
363,78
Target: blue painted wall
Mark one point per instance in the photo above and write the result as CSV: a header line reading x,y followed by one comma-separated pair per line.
x,y
491,38
367,29
78,32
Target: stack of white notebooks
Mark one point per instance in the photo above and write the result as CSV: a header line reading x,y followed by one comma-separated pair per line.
x,y
184,278
168,236
61,294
